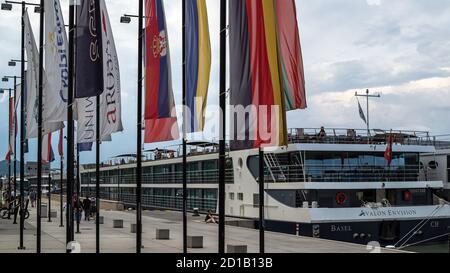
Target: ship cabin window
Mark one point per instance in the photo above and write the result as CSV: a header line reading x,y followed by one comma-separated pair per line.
x,y
240,196
231,194
255,200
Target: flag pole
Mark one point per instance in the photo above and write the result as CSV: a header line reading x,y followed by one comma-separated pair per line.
x,y
78,190
222,96
15,136
97,177
261,201
184,131
61,224
139,133
40,128
22,124
10,152
49,195
70,127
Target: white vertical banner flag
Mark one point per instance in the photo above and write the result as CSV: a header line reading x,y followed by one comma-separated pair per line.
x,y
86,129
56,63
110,108
32,81
110,99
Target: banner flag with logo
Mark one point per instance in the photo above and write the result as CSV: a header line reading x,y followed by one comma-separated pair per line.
x,y
56,63
89,63
110,108
32,86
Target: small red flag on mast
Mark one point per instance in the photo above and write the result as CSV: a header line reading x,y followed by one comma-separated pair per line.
x,y
388,152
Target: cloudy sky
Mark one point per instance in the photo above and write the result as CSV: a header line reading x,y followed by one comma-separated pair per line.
x,y
397,48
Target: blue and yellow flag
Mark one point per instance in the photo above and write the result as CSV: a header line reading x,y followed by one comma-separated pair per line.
x,y
198,63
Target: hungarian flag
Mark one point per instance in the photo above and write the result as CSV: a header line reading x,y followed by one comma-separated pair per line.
x,y
198,64
265,72
388,153
160,115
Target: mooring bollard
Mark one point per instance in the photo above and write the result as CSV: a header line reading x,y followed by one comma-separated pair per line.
x,y
162,234
195,241
118,223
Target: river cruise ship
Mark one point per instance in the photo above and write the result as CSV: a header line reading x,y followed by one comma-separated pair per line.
x,y
336,185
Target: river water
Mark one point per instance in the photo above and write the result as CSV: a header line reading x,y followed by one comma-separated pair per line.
x,y
430,248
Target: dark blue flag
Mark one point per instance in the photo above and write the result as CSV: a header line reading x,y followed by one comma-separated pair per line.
x,y
85,147
89,63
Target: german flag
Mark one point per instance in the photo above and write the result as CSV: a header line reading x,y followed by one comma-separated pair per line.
x,y
266,71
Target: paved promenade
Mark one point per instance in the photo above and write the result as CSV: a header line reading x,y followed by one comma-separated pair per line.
x,y
123,241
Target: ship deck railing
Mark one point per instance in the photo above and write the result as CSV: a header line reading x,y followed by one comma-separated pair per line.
x,y
333,173
360,136
193,177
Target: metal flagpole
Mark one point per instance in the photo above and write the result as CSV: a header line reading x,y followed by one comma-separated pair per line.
x,y
40,127
184,130
10,152
139,133
61,208
14,133
70,127
261,202
49,196
368,96
22,124
97,177
222,95
78,189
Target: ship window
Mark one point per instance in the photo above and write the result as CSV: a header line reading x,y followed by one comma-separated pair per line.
x,y
255,200
433,165
231,194
240,196
240,163
448,162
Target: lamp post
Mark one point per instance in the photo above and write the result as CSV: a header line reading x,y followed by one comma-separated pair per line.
x,y
7,6
126,19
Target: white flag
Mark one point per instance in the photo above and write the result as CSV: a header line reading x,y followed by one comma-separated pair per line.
x,y
86,128
32,83
110,108
56,64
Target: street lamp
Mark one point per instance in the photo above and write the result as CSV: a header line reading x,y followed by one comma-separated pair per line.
x,y
125,19
6,6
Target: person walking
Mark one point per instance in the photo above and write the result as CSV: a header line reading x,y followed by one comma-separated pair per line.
x,y
78,209
33,198
87,209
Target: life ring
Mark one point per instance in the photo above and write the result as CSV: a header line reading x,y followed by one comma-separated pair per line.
x,y
341,198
